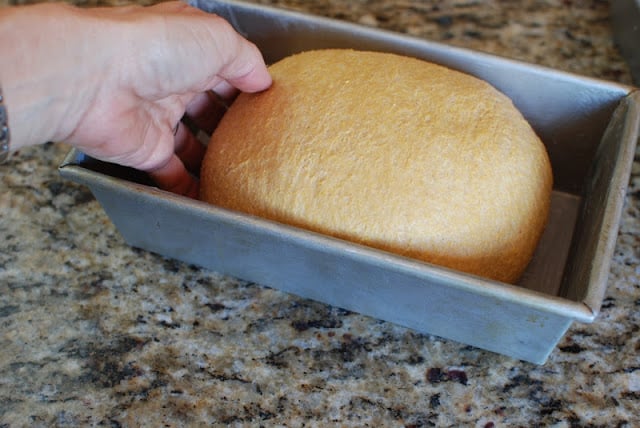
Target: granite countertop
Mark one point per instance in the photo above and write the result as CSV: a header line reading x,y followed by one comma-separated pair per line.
x,y
96,333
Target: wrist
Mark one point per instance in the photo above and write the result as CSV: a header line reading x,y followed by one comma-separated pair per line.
x,y
4,130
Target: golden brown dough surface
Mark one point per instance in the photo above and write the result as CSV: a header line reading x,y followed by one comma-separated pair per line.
x,y
390,152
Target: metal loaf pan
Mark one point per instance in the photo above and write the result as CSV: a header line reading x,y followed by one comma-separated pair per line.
x,y
590,129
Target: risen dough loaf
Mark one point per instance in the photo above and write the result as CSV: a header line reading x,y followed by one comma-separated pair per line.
x,y
387,151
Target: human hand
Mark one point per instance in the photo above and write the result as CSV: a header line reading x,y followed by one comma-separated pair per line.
x,y
115,82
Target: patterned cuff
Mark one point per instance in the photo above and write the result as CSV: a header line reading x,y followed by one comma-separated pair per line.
x,y
4,131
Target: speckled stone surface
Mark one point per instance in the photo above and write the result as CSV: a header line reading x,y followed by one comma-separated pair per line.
x,y
96,333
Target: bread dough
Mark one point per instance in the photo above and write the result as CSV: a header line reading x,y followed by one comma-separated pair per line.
x,y
387,151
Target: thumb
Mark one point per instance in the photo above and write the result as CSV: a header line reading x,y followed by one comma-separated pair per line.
x,y
239,62
244,68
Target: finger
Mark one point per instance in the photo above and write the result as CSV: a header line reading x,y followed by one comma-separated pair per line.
x,y
188,149
205,111
174,177
225,91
